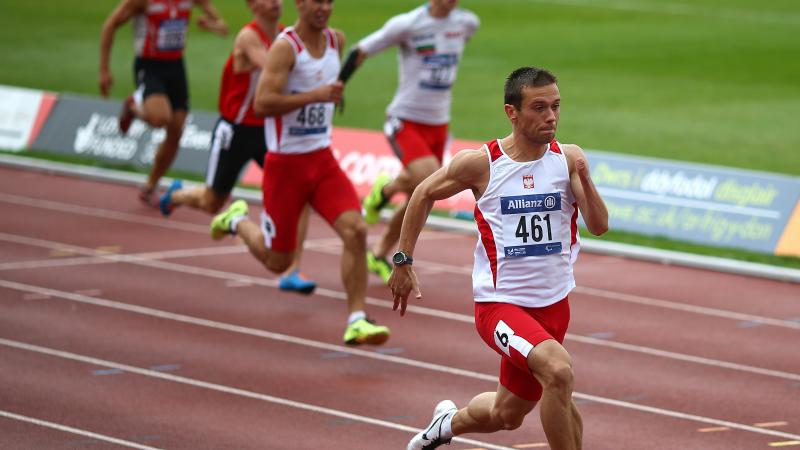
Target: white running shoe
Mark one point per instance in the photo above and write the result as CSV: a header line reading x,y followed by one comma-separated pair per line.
x,y
432,438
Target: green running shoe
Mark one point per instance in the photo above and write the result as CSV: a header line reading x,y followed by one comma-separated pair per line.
x,y
375,201
364,331
221,225
379,266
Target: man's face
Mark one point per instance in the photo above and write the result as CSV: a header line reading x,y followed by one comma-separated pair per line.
x,y
315,12
268,9
538,115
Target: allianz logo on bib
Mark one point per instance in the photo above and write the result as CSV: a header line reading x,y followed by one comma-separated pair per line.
x,y
518,204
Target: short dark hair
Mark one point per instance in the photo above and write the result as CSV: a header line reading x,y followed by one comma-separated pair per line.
x,y
525,77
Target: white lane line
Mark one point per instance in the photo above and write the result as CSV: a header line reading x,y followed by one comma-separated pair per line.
x,y
230,390
229,277
358,352
683,9
78,431
328,245
618,296
102,213
684,357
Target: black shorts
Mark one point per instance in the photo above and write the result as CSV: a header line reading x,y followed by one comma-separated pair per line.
x,y
154,76
232,147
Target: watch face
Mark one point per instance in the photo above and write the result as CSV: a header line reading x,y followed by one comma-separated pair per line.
x,y
398,258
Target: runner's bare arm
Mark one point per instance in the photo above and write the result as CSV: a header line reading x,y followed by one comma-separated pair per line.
x,y
248,51
469,169
591,205
121,14
270,99
211,20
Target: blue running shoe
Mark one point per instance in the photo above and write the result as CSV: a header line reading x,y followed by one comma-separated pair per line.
x,y
295,281
165,202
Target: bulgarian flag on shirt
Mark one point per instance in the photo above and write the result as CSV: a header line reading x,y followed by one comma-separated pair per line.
x,y
426,49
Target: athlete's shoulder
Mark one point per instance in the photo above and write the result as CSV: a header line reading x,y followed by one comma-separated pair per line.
x,y
467,19
406,21
469,162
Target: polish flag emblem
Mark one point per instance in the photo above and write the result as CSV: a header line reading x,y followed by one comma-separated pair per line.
x,y
527,181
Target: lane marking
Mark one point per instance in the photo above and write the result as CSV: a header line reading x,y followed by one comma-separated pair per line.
x,y
713,429
783,443
78,431
531,445
101,213
273,283
229,390
771,424
326,247
373,355
649,301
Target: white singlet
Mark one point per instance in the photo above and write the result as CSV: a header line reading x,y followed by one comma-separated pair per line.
x,y
430,50
305,129
528,240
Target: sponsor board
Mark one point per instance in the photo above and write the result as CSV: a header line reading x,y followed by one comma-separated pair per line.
x,y
689,202
698,203
364,154
22,111
88,127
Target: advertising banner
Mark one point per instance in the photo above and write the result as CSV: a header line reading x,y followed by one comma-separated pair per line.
x,y
697,203
22,112
85,126
690,202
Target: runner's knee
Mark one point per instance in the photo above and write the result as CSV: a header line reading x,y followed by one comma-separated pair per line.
x,y
509,419
354,231
558,376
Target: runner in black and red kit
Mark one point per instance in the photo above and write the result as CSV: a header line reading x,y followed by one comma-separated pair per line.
x,y
161,98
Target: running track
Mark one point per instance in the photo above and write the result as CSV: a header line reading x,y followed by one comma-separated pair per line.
x,y
121,329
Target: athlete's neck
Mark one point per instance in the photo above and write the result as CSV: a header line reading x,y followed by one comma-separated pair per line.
x,y
439,12
520,149
312,38
269,27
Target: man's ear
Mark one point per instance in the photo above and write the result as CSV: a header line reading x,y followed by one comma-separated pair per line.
x,y
511,112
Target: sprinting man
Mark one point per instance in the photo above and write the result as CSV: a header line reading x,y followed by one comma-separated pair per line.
x,y
161,98
529,189
431,39
238,136
297,91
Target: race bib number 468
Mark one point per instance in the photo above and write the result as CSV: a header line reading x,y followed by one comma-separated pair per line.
x,y
530,225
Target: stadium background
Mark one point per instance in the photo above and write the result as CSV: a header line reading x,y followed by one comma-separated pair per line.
x,y
709,81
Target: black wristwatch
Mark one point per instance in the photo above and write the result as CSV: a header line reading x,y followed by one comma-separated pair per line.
x,y
400,258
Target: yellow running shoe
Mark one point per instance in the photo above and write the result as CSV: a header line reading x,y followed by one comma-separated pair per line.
x,y
364,331
379,266
375,200
221,225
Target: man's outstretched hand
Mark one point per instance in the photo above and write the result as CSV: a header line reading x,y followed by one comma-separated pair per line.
x,y
402,282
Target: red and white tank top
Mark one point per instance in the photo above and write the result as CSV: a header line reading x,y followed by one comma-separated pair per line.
x,y
160,31
305,129
527,219
238,89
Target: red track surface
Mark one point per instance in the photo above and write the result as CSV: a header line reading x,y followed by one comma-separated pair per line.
x,y
217,357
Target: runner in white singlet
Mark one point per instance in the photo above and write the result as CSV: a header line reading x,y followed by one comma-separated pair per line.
x,y
297,91
430,41
529,189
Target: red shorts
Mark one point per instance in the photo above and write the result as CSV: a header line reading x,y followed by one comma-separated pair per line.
x,y
292,180
513,331
413,140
